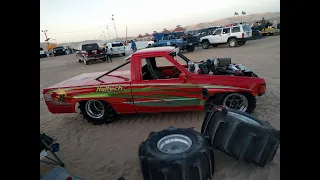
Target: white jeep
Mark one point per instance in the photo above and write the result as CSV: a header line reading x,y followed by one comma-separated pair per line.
x,y
233,35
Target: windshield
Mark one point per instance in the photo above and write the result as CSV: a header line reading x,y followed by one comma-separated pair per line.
x,y
246,28
57,48
117,44
87,47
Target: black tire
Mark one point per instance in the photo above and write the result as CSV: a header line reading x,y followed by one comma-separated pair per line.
x,y
191,48
244,138
123,54
233,42
214,45
107,117
86,62
205,44
218,99
104,59
242,43
195,163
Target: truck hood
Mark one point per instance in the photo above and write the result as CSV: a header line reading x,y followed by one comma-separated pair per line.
x,y
88,79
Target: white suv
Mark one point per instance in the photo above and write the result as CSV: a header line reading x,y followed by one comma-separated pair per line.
x,y
116,48
233,35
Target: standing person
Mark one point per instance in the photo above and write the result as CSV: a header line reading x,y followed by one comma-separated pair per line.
x,y
108,55
133,46
263,24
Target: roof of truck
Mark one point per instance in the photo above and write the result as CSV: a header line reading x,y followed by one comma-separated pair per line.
x,y
166,49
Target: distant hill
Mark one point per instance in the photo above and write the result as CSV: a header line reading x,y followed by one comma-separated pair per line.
x,y
250,18
275,16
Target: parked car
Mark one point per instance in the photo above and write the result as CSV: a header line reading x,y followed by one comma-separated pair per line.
x,y
58,51
116,48
176,39
42,53
207,31
90,52
234,35
157,80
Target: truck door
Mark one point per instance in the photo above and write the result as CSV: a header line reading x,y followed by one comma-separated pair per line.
x,y
157,91
216,37
225,35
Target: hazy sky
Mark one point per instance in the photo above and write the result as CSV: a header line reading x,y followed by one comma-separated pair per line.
x,y
76,20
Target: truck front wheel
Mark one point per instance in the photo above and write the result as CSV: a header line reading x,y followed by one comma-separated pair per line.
x,y
205,44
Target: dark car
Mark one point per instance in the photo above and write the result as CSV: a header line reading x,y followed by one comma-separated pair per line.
x,y
90,52
176,39
58,51
207,31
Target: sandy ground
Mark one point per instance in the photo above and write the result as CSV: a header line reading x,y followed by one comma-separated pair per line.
x,y
110,151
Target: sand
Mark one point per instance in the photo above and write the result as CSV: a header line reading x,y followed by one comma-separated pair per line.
x,y
110,151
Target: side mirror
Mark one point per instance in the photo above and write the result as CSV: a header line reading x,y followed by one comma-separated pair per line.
x,y
182,76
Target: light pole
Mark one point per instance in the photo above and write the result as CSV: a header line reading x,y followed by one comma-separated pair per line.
x,y
45,33
114,26
104,35
108,32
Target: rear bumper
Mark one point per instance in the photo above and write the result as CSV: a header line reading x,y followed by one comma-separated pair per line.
x,y
242,39
118,52
61,109
96,57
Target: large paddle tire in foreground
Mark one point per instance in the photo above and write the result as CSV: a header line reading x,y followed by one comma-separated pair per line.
x,y
241,136
176,154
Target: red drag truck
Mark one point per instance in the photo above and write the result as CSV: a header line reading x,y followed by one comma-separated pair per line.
x,y
142,85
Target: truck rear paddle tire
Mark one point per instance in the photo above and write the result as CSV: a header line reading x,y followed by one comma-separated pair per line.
x,y
97,112
241,136
176,154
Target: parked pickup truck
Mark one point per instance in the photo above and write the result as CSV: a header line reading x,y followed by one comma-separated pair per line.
x,y
90,52
157,80
176,39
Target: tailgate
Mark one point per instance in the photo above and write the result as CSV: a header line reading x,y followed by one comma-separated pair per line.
x,y
79,80
95,53
248,34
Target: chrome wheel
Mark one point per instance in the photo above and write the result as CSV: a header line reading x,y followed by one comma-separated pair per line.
x,y
232,43
95,109
236,101
174,143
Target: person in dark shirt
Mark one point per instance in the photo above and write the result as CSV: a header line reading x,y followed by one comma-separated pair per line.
x,y
133,46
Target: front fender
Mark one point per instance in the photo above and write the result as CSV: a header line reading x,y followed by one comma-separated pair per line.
x,y
209,91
